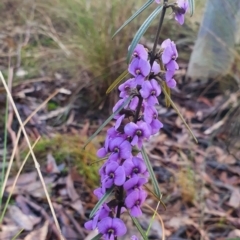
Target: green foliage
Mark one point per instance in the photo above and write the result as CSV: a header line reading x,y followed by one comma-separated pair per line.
x,y
66,148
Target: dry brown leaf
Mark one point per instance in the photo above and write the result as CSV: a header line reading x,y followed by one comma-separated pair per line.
x,y
38,234
9,231
23,221
234,233
234,200
51,164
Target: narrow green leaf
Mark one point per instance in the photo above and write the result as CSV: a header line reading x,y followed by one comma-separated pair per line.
x,y
101,201
152,219
191,4
137,224
117,81
127,101
142,30
97,236
150,170
140,10
179,114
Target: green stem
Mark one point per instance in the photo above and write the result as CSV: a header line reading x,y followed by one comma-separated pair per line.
x,y
165,6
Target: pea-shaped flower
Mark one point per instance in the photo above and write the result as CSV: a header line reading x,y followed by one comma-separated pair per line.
x,y
111,228
181,10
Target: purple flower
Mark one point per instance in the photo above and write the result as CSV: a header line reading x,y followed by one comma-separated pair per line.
x,y
171,83
134,102
117,106
134,166
120,149
134,237
103,212
111,228
134,183
150,90
119,121
140,52
126,87
150,116
137,132
115,174
181,10
139,68
99,192
134,201
155,68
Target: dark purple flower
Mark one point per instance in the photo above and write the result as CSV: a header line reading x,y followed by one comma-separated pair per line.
x,y
115,174
134,183
120,149
103,212
126,87
150,90
140,52
137,132
181,10
111,228
134,166
139,68
150,116
134,201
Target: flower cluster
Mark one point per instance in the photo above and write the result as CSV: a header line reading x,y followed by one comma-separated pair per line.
x,y
124,170
179,9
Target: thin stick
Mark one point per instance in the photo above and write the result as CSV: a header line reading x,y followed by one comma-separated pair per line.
x,y
18,137
15,180
160,219
33,155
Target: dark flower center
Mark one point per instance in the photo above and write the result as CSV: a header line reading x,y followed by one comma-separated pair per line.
x,y
138,71
155,116
153,92
173,57
139,132
111,175
116,150
137,202
135,54
136,170
110,231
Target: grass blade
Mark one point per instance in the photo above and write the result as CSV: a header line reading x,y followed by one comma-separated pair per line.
x,y
139,11
191,4
150,170
179,114
142,30
101,201
127,101
152,219
117,81
139,227
97,237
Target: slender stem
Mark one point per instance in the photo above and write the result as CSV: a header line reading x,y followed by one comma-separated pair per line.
x,y
158,31
138,109
120,204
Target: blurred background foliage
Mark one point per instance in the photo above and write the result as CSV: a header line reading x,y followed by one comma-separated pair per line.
x,y
69,42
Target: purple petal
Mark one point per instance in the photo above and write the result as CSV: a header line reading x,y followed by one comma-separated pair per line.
x,y
145,129
166,43
119,227
133,66
140,52
155,68
115,143
130,183
167,55
101,152
134,102
131,199
119,121
148,114
146,89
125,150
130,128
142,196
152,100
105,224
89,225
136,211
156,125
135,140
156,87
98,192
111,167
128,166
135,237
171,66
179,18
169,75
139,80
144,66
172,83
119,176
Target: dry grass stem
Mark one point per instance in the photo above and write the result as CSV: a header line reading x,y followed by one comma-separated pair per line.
x,y
33,155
